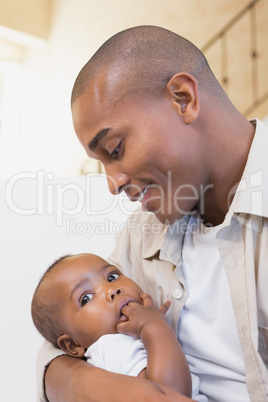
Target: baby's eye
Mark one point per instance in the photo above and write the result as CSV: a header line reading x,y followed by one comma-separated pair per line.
x,y
112,277
86,298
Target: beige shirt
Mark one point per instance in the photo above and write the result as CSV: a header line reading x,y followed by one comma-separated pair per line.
x,y
150,253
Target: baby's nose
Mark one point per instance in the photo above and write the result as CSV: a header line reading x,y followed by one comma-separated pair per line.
x,y
113,292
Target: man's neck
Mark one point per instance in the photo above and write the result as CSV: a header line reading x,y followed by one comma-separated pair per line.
x,y
218,199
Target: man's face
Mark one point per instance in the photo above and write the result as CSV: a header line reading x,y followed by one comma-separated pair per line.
x,y
146,148
91,294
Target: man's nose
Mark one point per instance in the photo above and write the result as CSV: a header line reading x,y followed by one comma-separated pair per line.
x,y
116,180
112,292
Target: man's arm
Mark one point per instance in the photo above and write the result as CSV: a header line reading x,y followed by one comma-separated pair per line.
x,y
166,363
69,379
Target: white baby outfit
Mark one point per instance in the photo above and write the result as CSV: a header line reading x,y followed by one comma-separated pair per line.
x,y
123,354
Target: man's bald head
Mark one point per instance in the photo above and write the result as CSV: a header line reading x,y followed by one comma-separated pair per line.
x,y
143,59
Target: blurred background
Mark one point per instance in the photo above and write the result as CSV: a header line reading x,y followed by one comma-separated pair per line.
x,y
45,43
53,200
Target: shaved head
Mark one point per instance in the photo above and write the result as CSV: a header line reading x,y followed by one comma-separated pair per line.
x,y
143,59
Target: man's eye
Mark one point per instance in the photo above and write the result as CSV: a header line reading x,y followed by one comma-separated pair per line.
x,y
115,152
86,298
112,277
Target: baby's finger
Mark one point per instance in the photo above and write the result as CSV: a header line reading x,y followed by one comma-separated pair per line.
x,y
120,328
124,328
164,307
147,300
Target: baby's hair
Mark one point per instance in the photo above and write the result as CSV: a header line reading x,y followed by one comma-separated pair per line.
x,y
45,314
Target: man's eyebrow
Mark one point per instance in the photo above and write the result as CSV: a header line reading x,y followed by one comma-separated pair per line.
x,y
99,136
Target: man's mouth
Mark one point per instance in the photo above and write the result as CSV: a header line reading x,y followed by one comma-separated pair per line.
x,y
138,196
143,194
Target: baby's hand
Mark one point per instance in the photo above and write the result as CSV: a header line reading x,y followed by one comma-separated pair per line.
x,y
164,307
140,316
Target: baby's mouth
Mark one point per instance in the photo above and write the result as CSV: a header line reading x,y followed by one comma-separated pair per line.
x,y
124,302
122,315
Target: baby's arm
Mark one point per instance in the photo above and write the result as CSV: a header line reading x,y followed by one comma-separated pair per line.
x,y
166,362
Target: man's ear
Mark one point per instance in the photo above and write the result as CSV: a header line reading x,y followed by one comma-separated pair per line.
x,y
183,90
69,346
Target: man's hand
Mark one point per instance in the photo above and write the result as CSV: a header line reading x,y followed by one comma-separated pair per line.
x,y
73,380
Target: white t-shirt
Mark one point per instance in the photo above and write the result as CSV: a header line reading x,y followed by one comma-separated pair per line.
x,y
118,353
222,379
123,354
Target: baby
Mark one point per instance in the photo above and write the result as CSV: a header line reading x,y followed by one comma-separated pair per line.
x,y
89,309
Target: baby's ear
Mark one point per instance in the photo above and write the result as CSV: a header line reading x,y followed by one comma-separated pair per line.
x,y
69,346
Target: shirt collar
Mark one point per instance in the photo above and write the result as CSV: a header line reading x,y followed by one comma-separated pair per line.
x,y
172,246
154,243
168,242
251,196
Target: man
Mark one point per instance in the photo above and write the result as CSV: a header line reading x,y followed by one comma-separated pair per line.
x,y
150,109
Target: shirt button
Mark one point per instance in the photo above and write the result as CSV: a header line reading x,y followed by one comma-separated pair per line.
x,y
178,293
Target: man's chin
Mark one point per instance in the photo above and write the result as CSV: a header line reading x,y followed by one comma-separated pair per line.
x,y
167,219
163,217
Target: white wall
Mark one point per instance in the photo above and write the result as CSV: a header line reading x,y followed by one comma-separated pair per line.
x,y
29,243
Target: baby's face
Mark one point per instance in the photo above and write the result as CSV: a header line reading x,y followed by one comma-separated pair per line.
x,y
91,294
